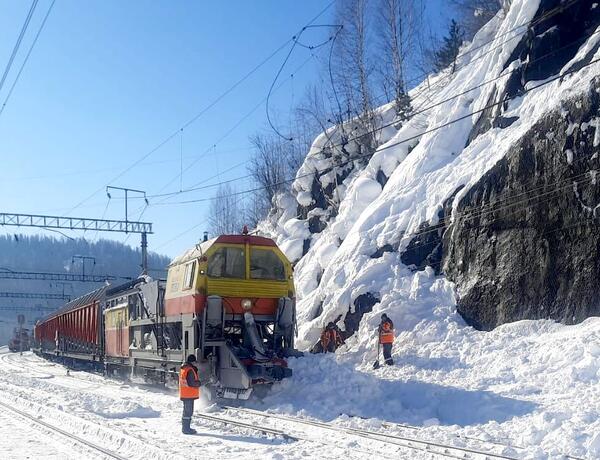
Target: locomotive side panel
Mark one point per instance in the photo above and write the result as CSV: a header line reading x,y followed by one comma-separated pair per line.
x,y
116,331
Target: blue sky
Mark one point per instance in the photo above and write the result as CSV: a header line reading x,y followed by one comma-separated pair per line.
x,y
109,80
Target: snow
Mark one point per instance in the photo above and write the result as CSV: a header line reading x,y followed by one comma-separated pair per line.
x,y
531,386
524,381
595,123
569,155
338,266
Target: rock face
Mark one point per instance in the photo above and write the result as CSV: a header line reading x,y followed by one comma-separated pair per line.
x,y
492,187
525,241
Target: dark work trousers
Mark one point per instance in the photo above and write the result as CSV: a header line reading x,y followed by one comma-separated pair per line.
x,y
188,409
387,353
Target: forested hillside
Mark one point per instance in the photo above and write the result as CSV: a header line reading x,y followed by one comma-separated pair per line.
x,y
21,253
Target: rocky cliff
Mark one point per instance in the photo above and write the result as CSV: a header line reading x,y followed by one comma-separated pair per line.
x,y
485,202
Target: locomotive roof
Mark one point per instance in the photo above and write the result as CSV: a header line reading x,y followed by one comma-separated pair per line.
x,y
201,248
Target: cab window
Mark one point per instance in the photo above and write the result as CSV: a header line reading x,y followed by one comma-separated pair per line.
x,y
190,271
266,265
227,263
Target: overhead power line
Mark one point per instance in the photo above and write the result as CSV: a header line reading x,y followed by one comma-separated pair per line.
x,y
394,144
436,128
18,43
548,14
39,296
26,58
199,114
45,276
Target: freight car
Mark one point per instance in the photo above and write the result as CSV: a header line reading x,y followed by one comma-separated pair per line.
x,y
229,300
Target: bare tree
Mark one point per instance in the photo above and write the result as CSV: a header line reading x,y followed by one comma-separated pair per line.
x,y
353,66
225,216
273,163
398,26
269,162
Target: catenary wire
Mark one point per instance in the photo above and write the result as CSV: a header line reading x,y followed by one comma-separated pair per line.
x,y
18,43
221,139
558,76
407,139
26,57
545,16
198,115
418,112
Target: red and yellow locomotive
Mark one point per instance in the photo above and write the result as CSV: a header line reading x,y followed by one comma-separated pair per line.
x,y
229,300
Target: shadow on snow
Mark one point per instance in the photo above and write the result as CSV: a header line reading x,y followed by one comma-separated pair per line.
x,y
325,389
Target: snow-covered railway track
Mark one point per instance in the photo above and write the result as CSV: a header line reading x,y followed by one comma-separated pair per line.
x,y
54,429
261,429
14,362
408,442
275,432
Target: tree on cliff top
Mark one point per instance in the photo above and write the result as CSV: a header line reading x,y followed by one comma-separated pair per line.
x,y
446,55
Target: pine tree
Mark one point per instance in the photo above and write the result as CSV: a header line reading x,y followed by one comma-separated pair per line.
x,y
404,109
448,52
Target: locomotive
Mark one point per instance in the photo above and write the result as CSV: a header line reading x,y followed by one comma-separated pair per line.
x,y
19,340
229,300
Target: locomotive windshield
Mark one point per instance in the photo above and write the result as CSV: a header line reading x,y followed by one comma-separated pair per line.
x,y
265,265
227,263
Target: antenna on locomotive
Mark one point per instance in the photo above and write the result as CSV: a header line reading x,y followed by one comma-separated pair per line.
x,y
245,230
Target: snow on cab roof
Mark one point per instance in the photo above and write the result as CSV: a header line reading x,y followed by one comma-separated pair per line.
x,y
194,252
201,248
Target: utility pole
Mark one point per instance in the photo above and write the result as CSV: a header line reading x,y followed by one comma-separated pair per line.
x,y
21,321
83,259
144,244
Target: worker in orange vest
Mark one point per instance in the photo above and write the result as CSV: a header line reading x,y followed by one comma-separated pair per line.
x,y
189,390
331,338
386,338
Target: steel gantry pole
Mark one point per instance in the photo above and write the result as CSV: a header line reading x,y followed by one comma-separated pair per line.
x,y
144,234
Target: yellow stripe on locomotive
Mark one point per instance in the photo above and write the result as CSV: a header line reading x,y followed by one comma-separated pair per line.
x,y
236,268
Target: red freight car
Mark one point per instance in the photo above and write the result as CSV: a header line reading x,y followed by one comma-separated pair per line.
x,y
76,329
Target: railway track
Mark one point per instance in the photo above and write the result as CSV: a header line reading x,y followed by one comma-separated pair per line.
x,y
54,429
407,442
284,435
264,430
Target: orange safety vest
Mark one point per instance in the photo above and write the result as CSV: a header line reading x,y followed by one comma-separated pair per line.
x,y
386,333
325,338
186,391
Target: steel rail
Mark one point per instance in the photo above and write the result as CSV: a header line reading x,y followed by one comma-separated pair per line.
x,y
71,436
265,430
378,436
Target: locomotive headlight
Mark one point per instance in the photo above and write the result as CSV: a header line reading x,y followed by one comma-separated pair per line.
x,y
246,304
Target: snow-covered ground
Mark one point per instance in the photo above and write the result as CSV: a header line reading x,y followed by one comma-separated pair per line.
x,y
527,390
531,385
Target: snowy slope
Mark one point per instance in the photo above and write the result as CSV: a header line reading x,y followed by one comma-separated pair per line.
x,y
339,266
529,381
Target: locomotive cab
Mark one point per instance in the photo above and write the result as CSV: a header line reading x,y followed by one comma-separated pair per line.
x,y
234,296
